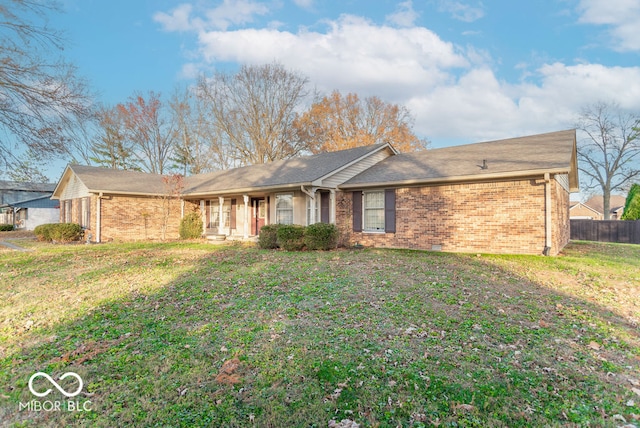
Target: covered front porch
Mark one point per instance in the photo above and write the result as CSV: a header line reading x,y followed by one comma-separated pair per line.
x,y
234,216
240,217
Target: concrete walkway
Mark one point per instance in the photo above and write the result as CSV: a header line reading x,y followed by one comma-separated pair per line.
x,y
12,246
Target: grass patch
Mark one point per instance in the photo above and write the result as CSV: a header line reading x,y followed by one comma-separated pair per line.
x,y
193,335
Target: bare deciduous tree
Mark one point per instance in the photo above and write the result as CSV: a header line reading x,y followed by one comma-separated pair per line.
x,y
149,130
609,154
253,112
41,97
110,147
196,146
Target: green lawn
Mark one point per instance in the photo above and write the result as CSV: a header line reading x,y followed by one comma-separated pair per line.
x,y
189,334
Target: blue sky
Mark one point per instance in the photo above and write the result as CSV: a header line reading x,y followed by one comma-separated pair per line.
x,y
468,70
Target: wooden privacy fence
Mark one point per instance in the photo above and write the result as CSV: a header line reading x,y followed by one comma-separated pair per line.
x,y
625,231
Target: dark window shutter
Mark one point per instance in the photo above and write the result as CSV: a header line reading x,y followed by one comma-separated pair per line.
x,y
390,210
232,221
357,211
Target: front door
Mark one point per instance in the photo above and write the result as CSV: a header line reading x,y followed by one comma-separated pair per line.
x,y
258,214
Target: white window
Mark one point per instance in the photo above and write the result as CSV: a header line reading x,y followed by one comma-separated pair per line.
x,y
214,208
313,205
373,208
67,211
85,220
284,208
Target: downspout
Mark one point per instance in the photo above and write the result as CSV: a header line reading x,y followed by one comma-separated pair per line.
x,y
305,191
547,214
98,216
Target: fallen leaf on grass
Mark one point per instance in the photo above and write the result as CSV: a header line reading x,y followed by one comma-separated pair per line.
x,y
345,423
464,407
594,345
228,373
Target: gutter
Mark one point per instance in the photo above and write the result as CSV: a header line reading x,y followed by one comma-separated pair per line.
x,y
456,179
188,195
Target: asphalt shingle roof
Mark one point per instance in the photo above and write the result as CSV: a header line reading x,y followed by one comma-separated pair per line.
x,y
288,172
549,152
116,180
295,171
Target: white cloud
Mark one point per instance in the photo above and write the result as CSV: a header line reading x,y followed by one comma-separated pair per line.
x,y
478,106
462,11
176,20
234,12
621,16
454,92
352,53
225,15
404,16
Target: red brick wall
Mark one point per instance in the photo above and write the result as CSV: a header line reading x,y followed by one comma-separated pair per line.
x,y
561,229
497,217
126,218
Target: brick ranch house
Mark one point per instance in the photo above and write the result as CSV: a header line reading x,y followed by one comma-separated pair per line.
x,y
506,196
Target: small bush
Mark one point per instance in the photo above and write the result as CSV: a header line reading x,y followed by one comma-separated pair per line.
x,y
6,227
268,237
43,232
291,237
58,232
191,226
321,236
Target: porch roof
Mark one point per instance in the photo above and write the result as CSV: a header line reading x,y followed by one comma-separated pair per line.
x,y
553,152
288,173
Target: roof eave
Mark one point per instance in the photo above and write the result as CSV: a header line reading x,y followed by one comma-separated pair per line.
x,y
458,179
246,190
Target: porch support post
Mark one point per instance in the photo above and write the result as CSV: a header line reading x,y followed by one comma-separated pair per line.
x,y
314,206
203,213
246,216
332,206
220,211
99,217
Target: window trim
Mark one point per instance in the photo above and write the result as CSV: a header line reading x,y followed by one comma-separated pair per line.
x,y
382,209
279,210
315,207
85,212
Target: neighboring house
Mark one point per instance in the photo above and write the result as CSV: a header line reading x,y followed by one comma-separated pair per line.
x,y
27,205
508,196
593,209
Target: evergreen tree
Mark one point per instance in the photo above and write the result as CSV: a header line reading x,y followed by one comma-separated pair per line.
x,y
632,204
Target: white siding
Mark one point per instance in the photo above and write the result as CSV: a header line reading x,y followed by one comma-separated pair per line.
x,y
74,189
38,216
355,169
563,180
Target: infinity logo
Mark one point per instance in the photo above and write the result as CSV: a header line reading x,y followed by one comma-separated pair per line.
x,y
54,383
